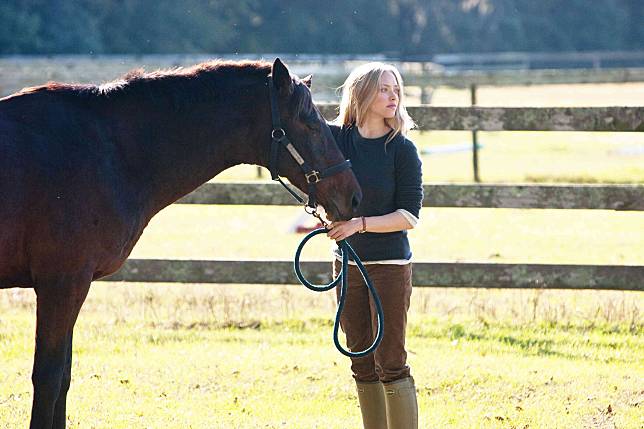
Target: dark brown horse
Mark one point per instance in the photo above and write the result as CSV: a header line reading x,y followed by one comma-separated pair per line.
x,y
83,169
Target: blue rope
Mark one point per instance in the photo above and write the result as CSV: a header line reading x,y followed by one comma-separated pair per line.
x,y
346,250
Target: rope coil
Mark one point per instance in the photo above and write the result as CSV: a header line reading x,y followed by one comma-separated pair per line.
x,y
345,250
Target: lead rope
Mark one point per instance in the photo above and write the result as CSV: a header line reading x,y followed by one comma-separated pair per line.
x,y
345,250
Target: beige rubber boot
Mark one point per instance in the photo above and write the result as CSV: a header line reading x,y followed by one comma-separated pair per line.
x,y
372,405
402,407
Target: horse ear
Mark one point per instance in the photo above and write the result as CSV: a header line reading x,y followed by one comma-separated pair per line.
x,y
282,77
307,81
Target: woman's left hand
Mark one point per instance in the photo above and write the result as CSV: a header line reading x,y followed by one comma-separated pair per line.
x,y
342,229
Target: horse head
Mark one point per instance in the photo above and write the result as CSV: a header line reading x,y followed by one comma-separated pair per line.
x,y
307,130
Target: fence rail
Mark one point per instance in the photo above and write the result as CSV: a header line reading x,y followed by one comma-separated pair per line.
x,y
426,274
621,119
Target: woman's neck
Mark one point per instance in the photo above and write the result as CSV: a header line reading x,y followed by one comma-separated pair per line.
x,y
373,127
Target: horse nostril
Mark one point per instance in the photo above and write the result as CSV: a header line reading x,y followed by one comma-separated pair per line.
x,y
355,201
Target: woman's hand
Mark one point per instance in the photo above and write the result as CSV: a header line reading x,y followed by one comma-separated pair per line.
x,y
340,230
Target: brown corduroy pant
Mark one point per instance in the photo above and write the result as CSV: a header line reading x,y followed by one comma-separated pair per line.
x,y
359,320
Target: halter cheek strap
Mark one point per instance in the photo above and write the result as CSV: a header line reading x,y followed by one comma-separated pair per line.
x,y
279,139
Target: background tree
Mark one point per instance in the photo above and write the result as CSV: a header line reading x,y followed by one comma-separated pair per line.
x,y
396,27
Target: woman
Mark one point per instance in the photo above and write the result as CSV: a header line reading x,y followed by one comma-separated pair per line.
x,y
371,130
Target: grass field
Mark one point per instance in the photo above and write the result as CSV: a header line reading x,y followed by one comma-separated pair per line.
x,y
251,356
247,356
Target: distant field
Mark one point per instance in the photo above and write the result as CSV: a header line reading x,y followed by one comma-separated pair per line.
x,y
19,72
443,234
522,156
559,95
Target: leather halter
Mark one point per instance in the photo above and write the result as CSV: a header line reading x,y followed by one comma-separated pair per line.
x,y
278,139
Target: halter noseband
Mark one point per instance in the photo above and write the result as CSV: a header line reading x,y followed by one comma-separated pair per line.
x,y
279,138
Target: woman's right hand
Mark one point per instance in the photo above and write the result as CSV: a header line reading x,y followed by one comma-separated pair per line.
x,y
342,229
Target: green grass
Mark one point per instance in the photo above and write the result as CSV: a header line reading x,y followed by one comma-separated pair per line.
x,y
443,234
249,356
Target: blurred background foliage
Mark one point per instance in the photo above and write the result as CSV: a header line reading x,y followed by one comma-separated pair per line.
x,y
399,28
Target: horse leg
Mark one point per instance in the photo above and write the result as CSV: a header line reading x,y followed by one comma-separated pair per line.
x,y
58,304
60,410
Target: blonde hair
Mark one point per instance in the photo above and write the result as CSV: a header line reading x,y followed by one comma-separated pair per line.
x,y
359,91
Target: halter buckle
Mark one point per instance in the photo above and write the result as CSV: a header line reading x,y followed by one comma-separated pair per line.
x,y
278,134
313,177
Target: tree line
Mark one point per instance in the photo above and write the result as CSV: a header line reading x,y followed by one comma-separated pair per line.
x,y
396,27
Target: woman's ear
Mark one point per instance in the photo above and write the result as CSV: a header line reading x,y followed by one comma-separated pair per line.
x,y
282,78
307,81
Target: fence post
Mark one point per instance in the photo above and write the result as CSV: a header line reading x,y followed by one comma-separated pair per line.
x,y
426,93
475,149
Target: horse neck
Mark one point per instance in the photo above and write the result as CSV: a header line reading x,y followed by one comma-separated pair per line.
x,y
173,151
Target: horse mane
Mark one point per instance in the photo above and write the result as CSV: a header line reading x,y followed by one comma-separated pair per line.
x,y
179,84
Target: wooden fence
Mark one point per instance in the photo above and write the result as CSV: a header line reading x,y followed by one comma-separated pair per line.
x,y
457,274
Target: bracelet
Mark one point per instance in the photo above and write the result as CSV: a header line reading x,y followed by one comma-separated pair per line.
x,y
364,225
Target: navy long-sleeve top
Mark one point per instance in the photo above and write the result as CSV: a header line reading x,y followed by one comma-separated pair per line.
x,y
391,179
